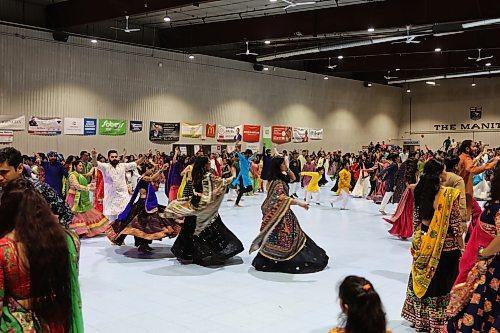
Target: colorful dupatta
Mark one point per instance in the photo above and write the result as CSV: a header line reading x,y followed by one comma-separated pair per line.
x,y
151,201
82,201
280,237
427,247
180,193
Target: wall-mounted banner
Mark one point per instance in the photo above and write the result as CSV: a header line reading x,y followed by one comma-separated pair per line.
x,y
281,134
266,132
316,133
90,126
13,123
191,130
229,134
300,134
210,130
251,133
45,126
6,136
164,132
73,126
112,126
135,126
254,147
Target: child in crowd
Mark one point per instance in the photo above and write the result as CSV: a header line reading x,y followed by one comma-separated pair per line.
x,y
312,189
344,185
362,309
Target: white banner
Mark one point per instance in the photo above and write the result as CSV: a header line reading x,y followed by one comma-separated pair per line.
x,y
229,134
191,130
266,133
6,136
300,134
13,123
45,126
73,126
316,133
254,147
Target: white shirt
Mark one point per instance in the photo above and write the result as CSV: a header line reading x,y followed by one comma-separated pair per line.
x,y
116,196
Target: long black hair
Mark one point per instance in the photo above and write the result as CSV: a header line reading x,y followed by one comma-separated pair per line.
x,y
427,188
43,243
362,306
495,187
275,172
199,172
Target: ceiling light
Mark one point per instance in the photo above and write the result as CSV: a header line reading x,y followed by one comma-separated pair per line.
x,y
369,84
408,91
473,84
191,57
93,41
371,29
431,83
488,64
167,18
267,42
325,78
340,57
266,68
398,69
437,49
273,0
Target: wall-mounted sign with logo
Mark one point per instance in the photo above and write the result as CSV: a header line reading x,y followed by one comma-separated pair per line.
x,y
112,126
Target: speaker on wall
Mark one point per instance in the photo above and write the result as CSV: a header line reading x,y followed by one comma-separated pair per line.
x,y
60,36
258,67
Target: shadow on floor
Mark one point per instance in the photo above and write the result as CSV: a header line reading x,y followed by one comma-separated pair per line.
x,y
179,269
278,277
128,254
401,277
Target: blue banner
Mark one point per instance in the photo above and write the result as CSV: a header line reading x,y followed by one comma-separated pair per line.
x,y
90,126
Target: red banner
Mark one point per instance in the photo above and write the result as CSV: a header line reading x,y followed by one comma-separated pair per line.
x,y
281,134
210,130
251,133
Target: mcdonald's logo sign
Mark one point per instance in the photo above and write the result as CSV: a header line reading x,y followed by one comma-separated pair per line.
x,y
210,130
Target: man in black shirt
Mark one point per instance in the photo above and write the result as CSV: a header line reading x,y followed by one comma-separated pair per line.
x,y
389,176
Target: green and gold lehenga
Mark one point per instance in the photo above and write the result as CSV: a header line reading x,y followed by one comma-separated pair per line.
x,y
282,244
17,319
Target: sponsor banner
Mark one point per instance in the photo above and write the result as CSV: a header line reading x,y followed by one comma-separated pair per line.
x,y
215,149
112,127
45,126
210,130
13,123
300,134
411,142
6,136
254,147
191,130
251,133
73,126
90,126
135,126
281,134
164,132
266,132
316,133
229,134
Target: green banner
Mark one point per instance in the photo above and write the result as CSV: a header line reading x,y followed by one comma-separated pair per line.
x,y
112,126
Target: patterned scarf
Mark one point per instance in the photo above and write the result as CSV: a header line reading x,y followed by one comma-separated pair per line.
x,y
427,247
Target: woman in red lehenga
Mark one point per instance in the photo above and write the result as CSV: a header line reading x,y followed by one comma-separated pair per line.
x,y
402,220
99,188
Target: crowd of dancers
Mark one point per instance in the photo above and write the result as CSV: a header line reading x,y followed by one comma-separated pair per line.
x,y
454,280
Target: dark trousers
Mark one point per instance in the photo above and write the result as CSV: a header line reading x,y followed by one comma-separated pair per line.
x,y
242,190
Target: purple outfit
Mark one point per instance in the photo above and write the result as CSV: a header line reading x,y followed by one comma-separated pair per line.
x,y
54,174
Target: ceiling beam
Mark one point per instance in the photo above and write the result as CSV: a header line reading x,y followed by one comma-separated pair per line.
x,y
378,14
78,12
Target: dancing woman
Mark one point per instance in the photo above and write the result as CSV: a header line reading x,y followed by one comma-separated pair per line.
x,y
87,221
282,244
204,239
142,219
474,305
436,251
186,188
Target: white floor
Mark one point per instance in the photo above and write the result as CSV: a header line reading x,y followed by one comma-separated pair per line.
x,y
124,291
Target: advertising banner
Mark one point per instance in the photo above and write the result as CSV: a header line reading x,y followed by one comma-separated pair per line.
x,y
300,134
135,126
90,126
73,126
164,132
6,136
13,123
251,133
191,130
254,147
229,134
112,126
316,133
45,126
281,134
210,130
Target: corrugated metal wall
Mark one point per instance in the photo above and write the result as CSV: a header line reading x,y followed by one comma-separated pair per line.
x,y
41,77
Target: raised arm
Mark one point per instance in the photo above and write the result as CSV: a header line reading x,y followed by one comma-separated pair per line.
x,y
93,152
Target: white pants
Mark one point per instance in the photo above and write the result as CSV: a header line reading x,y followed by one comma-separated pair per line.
x,y
385,200
264,185
343,198
232,194
313,195
294,188
112,218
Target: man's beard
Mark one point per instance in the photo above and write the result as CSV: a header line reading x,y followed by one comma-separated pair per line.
x,y
114,162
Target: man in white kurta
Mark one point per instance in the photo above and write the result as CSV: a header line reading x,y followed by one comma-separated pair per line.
x,y
116,195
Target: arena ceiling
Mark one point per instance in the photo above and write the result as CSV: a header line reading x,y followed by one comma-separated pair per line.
x,y
409,39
